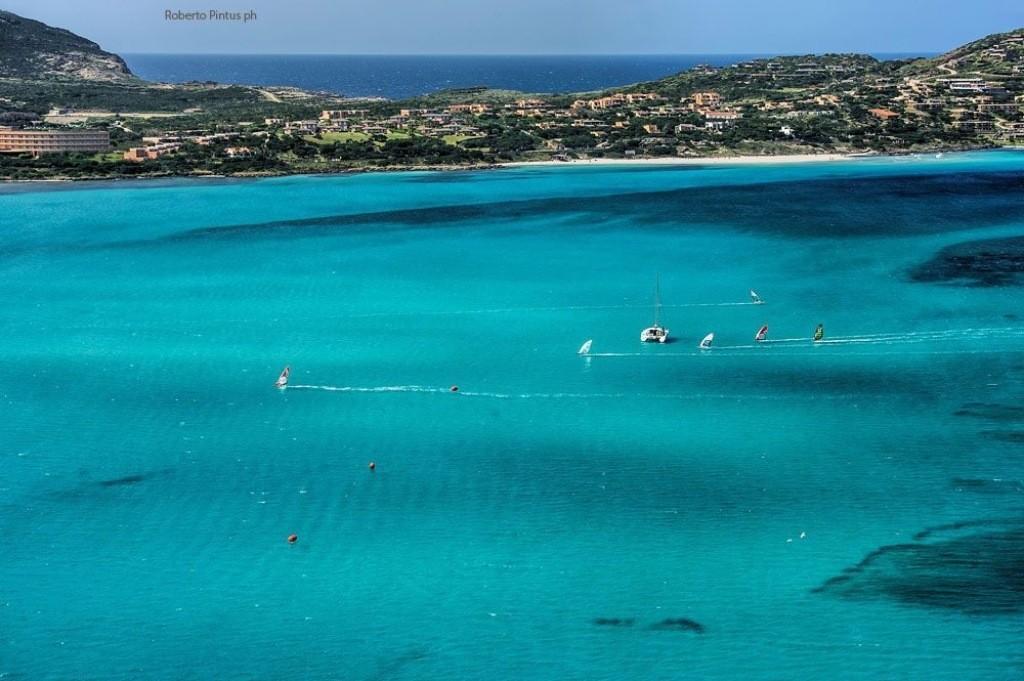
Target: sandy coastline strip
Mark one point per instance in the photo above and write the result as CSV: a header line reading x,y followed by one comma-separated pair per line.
x,y
694,160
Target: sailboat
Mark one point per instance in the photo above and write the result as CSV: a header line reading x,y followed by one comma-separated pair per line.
x,y
585,348
754,298
819,333
655,333
706,343
762,334
282,380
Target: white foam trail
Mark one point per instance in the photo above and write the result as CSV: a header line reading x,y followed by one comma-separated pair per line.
x,y
556,396
461,393
785,346
370,389
696,353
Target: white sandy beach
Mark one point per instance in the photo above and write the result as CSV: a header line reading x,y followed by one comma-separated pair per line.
x,y
708,160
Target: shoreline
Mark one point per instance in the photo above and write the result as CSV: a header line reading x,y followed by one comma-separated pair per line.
x,y
699,160
740,160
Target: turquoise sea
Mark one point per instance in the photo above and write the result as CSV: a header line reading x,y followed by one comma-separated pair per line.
x,y
852,509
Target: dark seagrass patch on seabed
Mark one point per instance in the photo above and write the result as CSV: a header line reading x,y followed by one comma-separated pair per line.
x,y
788,208
979,573
614,621
982,263
89,488
1013,436
395,666
119,482
988,485
678,624
991,411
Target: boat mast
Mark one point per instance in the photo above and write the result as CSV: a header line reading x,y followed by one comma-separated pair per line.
x,y
657,299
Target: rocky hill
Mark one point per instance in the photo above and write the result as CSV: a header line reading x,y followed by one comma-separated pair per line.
x,y
30,49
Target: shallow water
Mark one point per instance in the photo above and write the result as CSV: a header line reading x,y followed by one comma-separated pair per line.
x,y
846,510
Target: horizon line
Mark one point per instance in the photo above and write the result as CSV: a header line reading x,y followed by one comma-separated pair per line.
x,y
908,53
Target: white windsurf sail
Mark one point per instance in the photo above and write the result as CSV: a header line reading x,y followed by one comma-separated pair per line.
x,y
762,333
282,380
754,298
706,342
585,348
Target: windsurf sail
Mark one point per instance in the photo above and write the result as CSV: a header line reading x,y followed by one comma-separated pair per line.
x,y
585,348
706,343
754,298
282,380
762,333
819,333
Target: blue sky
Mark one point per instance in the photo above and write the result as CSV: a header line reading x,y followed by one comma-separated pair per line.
x,y
533,26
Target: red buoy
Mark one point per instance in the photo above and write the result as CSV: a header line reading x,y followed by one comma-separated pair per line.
x,y
373,466
292,538
454,388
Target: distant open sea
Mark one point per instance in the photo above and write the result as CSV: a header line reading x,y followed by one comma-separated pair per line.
x,y
398,76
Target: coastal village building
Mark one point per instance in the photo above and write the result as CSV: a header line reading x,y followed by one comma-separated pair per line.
x,y
977,126
20,141
717,120
722,116
334,115
615,100
637,97
307,127
475,109
883,114
706,100
151,152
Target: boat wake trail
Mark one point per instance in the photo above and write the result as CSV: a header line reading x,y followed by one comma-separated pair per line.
x,y
687,397
370,389
448,391
873,340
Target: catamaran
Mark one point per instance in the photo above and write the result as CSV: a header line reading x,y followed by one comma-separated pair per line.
x,y
762,334
585,348
706,343
655,333
754,298
282,380
819,333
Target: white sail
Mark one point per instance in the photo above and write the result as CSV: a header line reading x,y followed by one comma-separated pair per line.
x,y
585,348
282,380
706,343
754,298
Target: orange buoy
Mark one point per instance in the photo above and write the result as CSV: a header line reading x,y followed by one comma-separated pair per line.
x,y
454,388
373,466
292,538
